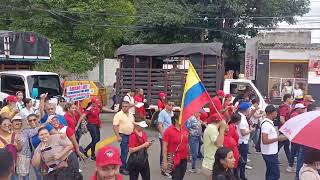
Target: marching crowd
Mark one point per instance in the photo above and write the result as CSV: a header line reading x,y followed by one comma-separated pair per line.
x,y
46,139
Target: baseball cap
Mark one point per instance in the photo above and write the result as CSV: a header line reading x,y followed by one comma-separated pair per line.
x,y
108,155
16,117
309,98
270,109
11,98
299,106
220,93
142,124
244,106
162,94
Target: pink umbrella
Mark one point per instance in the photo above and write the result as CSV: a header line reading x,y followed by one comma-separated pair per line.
x,y
304,129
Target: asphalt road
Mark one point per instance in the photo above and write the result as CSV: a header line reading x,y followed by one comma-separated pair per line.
x,y
257,173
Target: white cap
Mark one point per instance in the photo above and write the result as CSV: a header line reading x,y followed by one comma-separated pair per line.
x,y
16,117
142,124
299,106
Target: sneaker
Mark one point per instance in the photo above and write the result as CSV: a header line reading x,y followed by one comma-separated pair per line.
x,y
291,169
248,167
124,172
93,158
165,174
248,160
196,171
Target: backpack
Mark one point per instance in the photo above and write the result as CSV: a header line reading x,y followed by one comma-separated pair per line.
x,y
258,143
277,121
10,147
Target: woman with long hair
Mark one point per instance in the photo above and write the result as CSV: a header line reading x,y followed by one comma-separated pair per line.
x,y
175,144
223,165
9,140
73,118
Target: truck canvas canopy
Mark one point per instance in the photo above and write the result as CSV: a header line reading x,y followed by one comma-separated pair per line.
x,y
23,46
182,49
159,68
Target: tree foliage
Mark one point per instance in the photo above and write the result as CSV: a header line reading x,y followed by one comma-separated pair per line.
x,y
227,21
82,32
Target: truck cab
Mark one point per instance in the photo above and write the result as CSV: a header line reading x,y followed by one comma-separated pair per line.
x,y
31,83
238,86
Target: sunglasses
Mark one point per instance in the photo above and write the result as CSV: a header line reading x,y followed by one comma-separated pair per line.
x,y
50,108
62,101
33,120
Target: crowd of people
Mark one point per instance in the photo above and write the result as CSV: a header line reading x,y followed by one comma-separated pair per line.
x,y
46,139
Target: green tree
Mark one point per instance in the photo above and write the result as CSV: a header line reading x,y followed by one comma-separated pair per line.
x,y
81,32
227,21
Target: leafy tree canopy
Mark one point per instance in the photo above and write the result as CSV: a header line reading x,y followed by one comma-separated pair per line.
x,y
81,32
227,21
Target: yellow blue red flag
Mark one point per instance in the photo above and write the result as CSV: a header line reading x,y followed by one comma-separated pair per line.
x,y
195,96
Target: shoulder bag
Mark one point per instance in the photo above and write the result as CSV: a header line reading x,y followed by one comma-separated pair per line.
x,y
139,158
174,158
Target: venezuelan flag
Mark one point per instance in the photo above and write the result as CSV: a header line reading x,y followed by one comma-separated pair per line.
x,y
195,95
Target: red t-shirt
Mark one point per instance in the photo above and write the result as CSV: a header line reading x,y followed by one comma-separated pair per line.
x,y
135,140
285,110
94,177
173,136
233,132
72,120
231,143
160,104
216,101
93,115
140,111
293,114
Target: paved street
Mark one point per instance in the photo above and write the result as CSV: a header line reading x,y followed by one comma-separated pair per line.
x,y
256,160
88,166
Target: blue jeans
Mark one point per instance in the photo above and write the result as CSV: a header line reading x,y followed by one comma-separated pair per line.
x,y
94,131
243,150
272,164
194,143
78,135
14,176
300,160
37,173
124,150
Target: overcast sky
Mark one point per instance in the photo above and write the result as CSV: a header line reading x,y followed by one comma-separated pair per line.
x,y
310,20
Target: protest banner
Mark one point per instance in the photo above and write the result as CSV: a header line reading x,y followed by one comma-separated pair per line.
x,y
78,92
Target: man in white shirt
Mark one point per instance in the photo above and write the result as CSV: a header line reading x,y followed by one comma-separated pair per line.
x,y
129,97
269,144
244,131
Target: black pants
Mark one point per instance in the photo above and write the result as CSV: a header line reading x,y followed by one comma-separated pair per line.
x,y
161,157
94,131
145,173
180,170
286,148
243,149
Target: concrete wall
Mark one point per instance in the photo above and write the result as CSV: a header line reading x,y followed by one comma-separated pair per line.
x,y
294,37
110,67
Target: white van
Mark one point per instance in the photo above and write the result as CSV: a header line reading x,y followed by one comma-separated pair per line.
x,y
32,83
